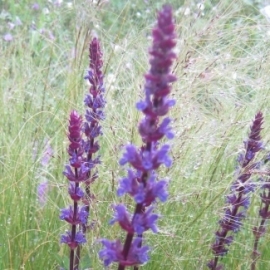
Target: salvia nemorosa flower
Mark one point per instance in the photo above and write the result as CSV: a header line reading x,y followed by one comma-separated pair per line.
x,y
141,181
76,172
238,200
42,192
95,104
264,213
94,113
43,186
81,150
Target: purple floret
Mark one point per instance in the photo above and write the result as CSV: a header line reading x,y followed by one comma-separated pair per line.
x,y
112,252
73,243
68,215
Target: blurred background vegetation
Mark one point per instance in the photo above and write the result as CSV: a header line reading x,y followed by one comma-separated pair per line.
x,y
223,80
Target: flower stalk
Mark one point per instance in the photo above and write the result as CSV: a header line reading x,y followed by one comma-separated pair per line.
x,y
264,213
239,199
141,181
76,172
95,103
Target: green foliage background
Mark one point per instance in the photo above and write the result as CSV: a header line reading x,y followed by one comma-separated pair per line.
x,y
223,80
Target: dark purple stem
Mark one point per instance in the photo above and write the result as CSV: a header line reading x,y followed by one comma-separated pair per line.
x,y
73,232
73,228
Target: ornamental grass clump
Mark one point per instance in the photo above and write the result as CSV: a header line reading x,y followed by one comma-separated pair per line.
x,y
239,199
83,159
141,181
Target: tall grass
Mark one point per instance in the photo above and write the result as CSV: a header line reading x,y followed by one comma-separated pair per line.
x,y
223,77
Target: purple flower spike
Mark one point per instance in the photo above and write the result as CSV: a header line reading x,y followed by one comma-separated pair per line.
x,y
76,171
94,100
84,159
253,144
81,160
95,103
141,182
42,192
264,213
238,200
83,145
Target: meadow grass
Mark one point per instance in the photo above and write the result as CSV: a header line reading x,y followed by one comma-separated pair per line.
x,y
223,80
